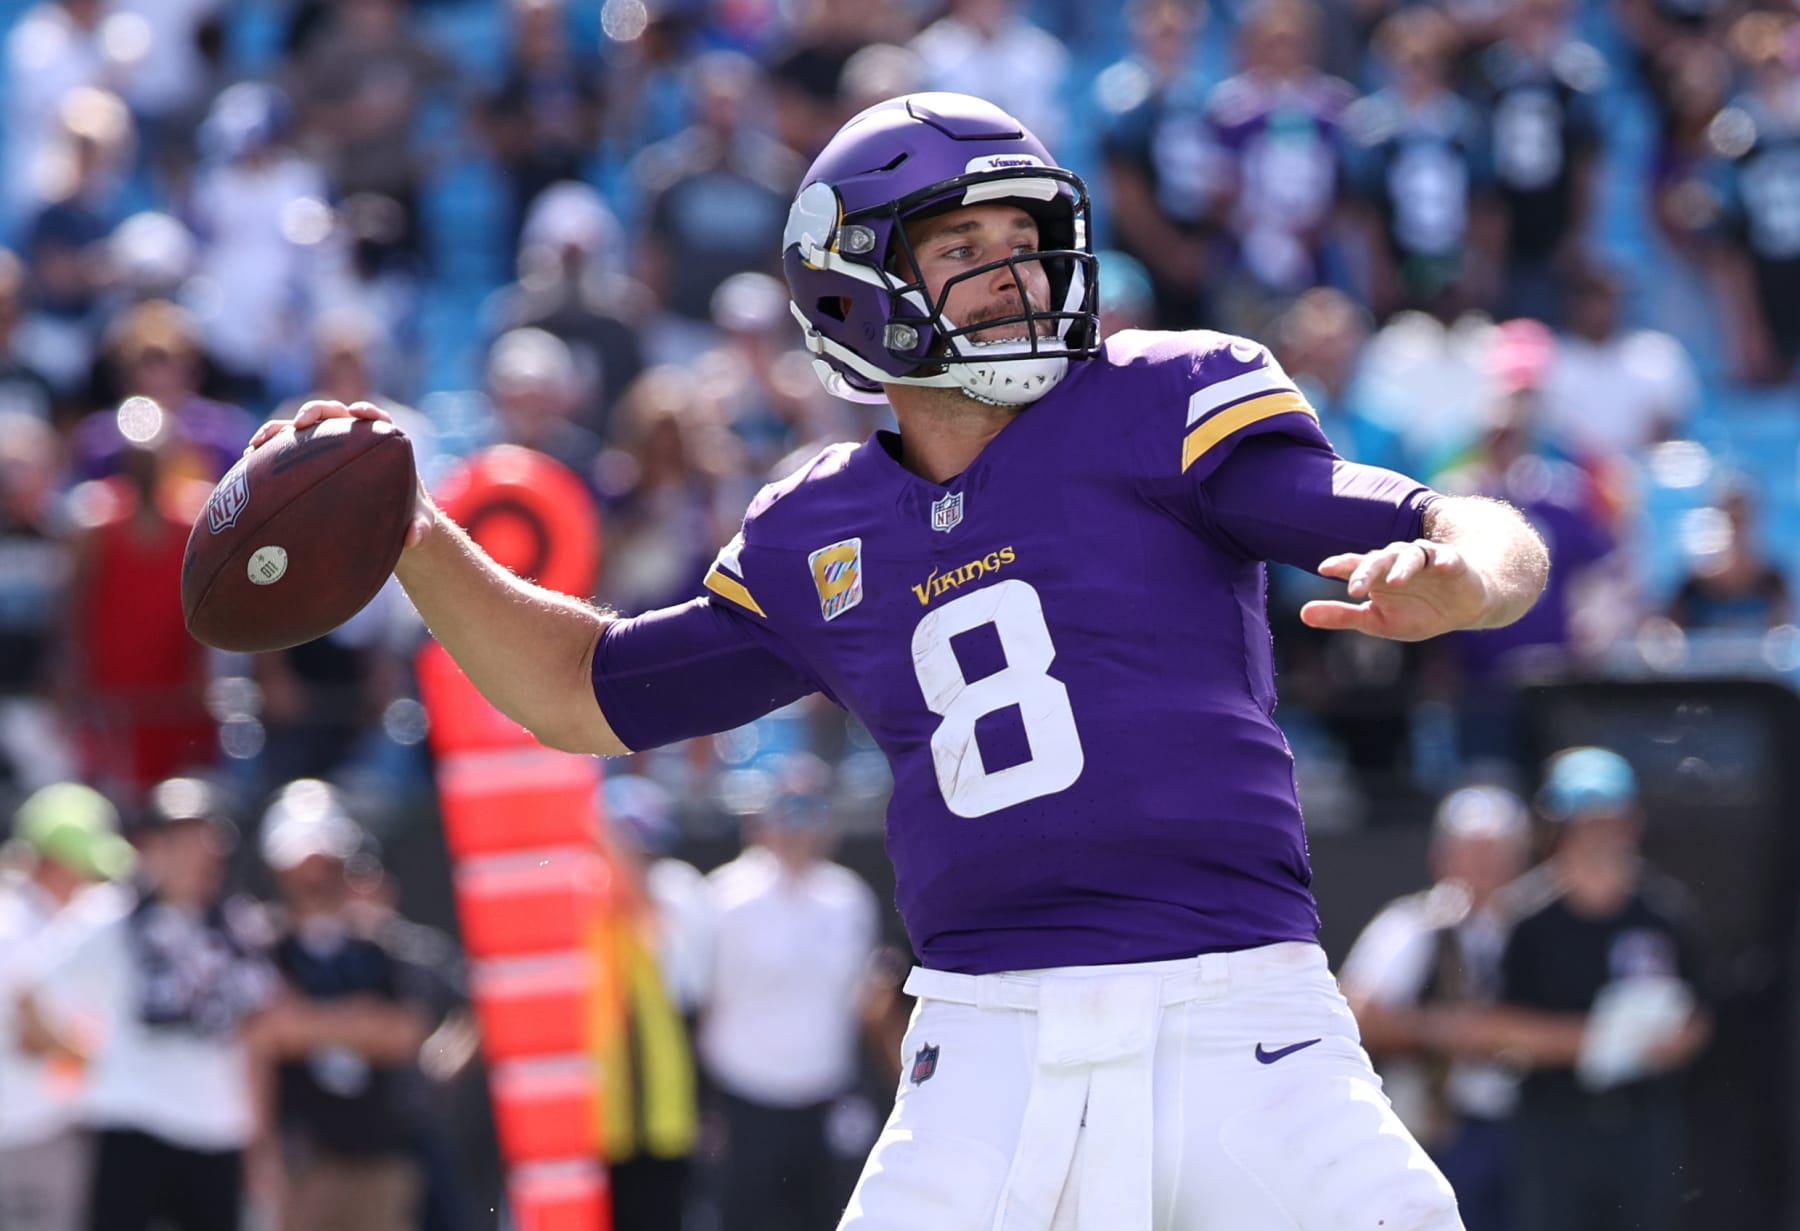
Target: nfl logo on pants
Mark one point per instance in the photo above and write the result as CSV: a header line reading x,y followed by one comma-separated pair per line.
x,y
924,1064
946,513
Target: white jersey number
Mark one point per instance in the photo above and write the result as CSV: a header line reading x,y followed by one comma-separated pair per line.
x,y
1012,607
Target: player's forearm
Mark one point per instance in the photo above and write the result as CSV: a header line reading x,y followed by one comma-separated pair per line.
x,y
1506,557
527,649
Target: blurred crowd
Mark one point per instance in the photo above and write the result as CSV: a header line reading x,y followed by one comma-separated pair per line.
x,y
1544,250
177,1054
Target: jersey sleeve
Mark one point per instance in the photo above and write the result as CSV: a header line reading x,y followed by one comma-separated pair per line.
x,y
1232,389
696,669
1296,502
1240,458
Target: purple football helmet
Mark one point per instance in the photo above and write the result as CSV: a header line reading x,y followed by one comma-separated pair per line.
x,y
850,266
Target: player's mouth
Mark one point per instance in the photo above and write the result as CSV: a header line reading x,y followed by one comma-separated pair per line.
x,y
1012,331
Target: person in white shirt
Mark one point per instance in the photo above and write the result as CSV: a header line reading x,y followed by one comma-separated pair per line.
x,y
1420,962
65,840
1610,391
779,1034
156,996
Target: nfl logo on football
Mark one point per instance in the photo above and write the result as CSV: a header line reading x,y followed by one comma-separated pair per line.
x,y
946,514
229,501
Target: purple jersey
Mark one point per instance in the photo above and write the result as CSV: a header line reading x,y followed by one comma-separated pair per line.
x,y
1063,652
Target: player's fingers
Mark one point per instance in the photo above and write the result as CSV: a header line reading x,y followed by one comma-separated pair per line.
x,y
265,433
1340,565
317,409
1378,565
1329,613
1411,562
368,410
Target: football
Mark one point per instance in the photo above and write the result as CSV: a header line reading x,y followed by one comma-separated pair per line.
x,y
298,536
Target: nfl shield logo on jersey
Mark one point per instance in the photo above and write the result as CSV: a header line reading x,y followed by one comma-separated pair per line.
x,y
229,501
924,1064
837,575
946,514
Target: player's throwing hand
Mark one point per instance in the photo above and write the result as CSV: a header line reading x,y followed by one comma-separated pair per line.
x,y
313,412
1410,591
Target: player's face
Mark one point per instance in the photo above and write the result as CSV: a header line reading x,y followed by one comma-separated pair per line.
x,y
965,239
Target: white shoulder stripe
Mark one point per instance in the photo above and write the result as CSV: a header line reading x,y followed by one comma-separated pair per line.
x,y
1267,379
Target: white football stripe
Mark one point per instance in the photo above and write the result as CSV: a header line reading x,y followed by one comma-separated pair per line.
x,y
1267,379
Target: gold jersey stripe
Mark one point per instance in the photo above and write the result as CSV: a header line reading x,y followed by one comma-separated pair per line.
x,y
726,586
1219,426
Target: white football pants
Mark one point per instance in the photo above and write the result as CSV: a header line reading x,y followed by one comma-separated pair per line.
x,y
1227,1092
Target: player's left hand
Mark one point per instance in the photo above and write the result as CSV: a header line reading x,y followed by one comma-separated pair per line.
x,y
1405,592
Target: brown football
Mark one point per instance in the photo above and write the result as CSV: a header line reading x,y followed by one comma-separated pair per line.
x,y
298,536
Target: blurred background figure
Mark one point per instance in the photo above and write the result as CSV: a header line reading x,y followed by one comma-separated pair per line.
x,y
660,490
1278,127
154,353
157,995
1420,153
715,198
1602,966
258,207
779,1035
1160,169
543,122
1514,460
572,283
65,838
361,85
661,960
349,1147
1758,257
1733,586
23,389
1540,87
764,384
1418,962
532,380
133,683
991,48
1611,391
34,578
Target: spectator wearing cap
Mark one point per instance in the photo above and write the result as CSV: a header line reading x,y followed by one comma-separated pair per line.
x,y
347,1137
657,951
572,284
1599,1002
65,839
1422,958
778,1037
158,996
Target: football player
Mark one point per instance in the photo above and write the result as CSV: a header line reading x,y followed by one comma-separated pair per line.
x,y
1044,598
